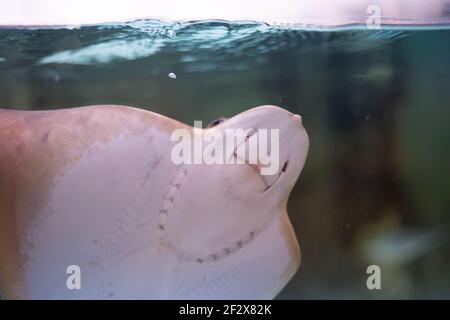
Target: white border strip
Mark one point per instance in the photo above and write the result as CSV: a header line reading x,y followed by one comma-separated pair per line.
x,y
305,12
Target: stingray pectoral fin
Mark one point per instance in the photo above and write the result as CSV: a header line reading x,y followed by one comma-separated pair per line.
x,y
259,270
289,247
279,255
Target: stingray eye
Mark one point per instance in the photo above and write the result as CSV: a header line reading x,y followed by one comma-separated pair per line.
x,y
216,122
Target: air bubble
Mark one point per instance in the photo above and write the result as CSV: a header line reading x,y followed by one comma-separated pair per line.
x,y
172,75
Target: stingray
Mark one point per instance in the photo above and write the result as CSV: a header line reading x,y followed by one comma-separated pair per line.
x,y
94,188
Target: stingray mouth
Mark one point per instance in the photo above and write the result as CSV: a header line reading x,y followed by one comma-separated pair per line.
x,y
269,181
278,176
257,169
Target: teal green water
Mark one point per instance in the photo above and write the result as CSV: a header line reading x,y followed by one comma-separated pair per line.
x,y
376,185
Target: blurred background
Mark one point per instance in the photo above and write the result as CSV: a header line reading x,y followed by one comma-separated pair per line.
x,y
376,186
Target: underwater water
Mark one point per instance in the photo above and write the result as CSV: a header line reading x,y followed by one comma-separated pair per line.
x,y
375,189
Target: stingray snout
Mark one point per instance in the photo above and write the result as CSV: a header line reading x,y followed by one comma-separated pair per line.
x,y
298,119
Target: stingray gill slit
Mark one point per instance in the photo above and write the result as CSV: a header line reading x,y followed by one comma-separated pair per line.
x,y
169,200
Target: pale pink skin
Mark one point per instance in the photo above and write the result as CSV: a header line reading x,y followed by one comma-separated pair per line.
x,y
95,187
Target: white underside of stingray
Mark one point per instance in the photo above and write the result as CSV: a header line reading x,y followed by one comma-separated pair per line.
x,y
129,220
